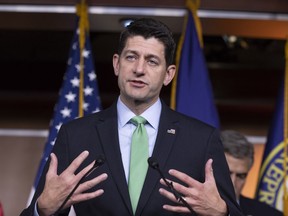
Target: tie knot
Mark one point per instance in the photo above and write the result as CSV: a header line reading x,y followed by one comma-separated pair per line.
x,y
136,120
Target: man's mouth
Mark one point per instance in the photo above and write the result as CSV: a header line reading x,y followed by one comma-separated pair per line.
x,y
137,83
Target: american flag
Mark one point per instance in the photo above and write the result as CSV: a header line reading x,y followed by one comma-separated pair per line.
x,y
67,107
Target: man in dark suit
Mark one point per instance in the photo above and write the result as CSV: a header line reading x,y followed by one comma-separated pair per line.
x,y
183,147
239,153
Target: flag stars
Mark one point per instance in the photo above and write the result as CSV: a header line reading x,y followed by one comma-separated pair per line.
x,y
88,91
58,126
53,142
46,158
74,46
92,75
70,97
69,61
85,53
78,67
85,106
96,110
75,82
66,113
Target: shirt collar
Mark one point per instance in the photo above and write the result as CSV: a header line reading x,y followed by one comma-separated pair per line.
x,y
152,114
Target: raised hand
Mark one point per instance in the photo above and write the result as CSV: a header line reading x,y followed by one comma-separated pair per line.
x,y
203,198
57,187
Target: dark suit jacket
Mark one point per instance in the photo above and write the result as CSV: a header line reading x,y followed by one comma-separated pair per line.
x,y
253,207
187,150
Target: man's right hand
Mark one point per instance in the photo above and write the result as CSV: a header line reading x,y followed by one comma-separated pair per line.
x,y
58,187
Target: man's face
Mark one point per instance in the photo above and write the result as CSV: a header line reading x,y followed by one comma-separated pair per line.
x,y
239,169
142,71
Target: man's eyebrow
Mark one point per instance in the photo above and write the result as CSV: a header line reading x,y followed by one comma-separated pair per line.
x,y
148,56
130,51
152,56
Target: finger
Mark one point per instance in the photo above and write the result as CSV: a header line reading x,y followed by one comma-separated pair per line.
x,y
189,181
209,176
182,190
180,209
52,171
168,195
91,183
76,198
85,170
76,162
174,184
79,196
163,182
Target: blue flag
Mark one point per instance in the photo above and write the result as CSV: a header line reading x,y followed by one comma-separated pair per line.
x,y
271,178
69,101
192,89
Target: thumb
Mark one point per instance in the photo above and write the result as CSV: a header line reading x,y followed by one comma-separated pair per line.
x,y
52,166
209,176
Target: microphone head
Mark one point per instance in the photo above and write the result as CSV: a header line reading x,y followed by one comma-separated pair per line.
x,y
99,161
153,163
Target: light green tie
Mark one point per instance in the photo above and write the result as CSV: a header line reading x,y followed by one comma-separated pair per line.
x,y
138,160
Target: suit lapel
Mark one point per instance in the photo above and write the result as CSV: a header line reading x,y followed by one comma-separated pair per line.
x,y
108,133
167,133
166,136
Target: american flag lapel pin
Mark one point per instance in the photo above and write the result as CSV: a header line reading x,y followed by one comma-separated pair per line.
x,y
171,131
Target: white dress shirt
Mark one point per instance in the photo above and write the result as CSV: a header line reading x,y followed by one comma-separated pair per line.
x,y
126,129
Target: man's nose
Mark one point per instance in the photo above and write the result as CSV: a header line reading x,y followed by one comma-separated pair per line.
x,y
140,66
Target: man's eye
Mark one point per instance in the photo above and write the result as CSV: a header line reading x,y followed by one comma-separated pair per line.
x,y
130,57
152,62
241,176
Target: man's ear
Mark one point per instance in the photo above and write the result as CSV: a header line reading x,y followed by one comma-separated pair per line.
x,y
170,73
116,64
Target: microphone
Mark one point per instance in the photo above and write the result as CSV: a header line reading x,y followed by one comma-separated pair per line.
x,y
155,165
99,161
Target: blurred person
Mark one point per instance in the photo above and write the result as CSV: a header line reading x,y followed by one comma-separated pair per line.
x,y
239,154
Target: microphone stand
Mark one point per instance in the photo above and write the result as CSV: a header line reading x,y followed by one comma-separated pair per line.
x,y
155,165
99,161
